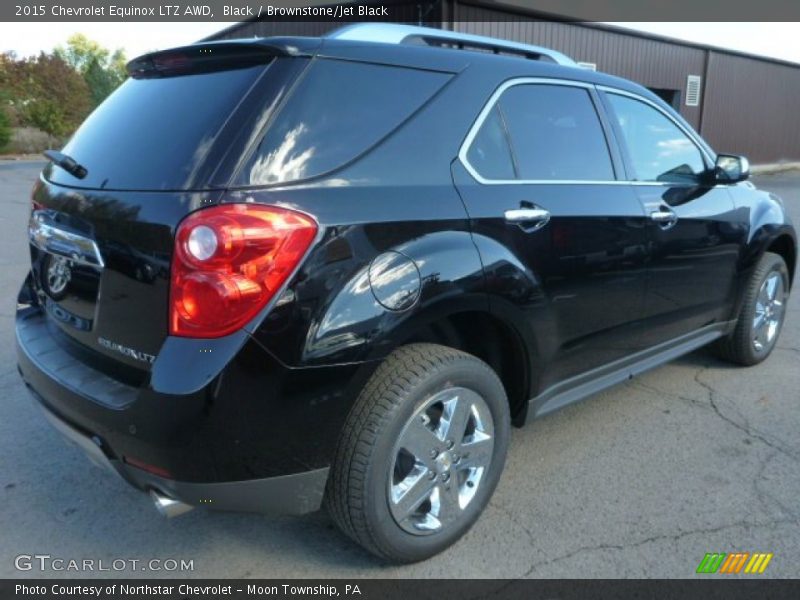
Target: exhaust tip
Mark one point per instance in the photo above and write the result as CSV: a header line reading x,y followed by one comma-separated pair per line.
x,y
168,507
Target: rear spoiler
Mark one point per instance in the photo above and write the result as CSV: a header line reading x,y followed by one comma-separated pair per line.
x,y
206,57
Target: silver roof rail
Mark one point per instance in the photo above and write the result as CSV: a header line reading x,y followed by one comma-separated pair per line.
x,y
391,33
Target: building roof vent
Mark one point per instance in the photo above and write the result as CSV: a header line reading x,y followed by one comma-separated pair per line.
x,y
693,90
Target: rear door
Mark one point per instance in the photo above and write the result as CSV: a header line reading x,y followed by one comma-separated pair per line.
x,y
562,240
694,234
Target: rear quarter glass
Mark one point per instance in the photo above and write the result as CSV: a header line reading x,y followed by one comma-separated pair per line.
x,y
157,133
337,112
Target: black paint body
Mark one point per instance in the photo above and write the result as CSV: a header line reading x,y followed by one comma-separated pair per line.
x,y
595,286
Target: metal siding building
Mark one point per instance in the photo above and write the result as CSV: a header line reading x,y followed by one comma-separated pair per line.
x,y
745,103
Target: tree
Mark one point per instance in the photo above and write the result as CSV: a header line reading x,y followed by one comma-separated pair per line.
x,y
10,84
5,119
55,92
5,128
44,92
102,70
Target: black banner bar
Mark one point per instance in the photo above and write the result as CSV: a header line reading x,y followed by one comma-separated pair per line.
x,y
419,10
707,588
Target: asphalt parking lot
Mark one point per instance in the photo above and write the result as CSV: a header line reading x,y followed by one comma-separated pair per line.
x,y
640,481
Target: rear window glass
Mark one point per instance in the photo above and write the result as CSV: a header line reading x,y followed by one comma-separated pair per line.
x,y
153,134
338,111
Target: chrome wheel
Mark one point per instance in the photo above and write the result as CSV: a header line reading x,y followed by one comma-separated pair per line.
x,y
58,274
770,306
440,460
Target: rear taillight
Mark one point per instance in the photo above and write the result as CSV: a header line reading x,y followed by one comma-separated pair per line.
x,y
140,464
36,187
229,261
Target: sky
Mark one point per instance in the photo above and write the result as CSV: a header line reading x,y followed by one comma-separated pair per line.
x,y
777,40
135,38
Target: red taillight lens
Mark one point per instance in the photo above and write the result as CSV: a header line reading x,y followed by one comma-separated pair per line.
x,y
140,464
36,205
229,261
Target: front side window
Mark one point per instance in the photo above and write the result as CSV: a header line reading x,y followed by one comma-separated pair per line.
x,y
555,133
659,150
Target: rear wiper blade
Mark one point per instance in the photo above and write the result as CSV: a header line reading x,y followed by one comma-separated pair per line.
x,y
69,164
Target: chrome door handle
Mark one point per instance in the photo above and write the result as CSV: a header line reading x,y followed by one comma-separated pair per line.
x,y
664,217
529,219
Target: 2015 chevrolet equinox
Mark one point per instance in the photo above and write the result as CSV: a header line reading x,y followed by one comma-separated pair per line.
x,y
276,272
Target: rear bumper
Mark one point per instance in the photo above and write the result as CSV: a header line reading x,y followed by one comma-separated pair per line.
x,y
295,494
258,436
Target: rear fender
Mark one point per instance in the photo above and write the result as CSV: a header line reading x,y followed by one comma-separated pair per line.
x,y
354,301
400,290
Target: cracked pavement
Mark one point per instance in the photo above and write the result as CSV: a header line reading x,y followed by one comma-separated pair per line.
x,y
639,481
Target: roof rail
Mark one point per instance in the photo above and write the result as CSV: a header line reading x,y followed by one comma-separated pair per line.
x,y
391,33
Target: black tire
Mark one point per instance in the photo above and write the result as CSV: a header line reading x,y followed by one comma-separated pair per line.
x,y
55,294
739,347
357,494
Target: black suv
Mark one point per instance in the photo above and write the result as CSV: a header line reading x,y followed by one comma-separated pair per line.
x,y
276,272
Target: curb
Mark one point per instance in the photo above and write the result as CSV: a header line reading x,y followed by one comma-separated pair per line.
x,y
774,168
21,158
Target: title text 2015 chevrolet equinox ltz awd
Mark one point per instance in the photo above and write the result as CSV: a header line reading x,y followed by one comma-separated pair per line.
x,y
276,273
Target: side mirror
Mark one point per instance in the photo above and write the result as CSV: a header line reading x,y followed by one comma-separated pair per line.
x,y
731,168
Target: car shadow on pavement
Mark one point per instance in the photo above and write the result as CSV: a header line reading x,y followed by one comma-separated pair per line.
x,y
704,357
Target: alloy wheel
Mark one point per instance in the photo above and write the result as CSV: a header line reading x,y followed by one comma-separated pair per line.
x,y
770,307
58,274
443,454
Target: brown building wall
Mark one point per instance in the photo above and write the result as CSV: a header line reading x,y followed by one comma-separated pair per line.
x,y
653,63
747,104
273,28
750,107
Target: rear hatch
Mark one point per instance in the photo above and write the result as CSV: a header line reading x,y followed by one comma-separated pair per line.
x,y
162,145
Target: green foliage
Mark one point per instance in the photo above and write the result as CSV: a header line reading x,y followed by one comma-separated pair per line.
x,y
102,70
44,92
56,92
5,128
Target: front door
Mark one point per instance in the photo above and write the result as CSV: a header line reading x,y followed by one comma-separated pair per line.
x,y
694,233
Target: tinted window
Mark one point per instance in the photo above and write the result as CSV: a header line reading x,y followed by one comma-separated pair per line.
x,y
489,153
555,133
152,134
339,110
658,149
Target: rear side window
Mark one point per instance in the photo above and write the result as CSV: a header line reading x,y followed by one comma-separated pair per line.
x,y
489,153
555,133
153,133
338,111
658,149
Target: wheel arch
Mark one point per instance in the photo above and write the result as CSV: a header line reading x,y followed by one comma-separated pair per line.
x,y
784,246
769,228
476,330
768,235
